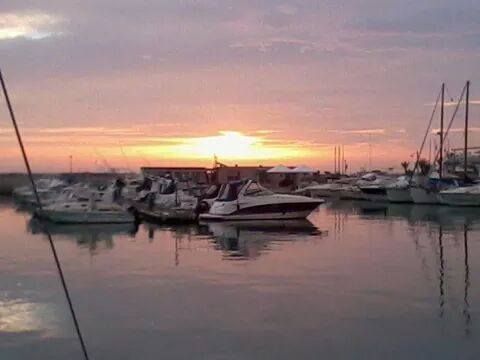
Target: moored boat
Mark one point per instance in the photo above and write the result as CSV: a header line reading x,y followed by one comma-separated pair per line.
x,y
85,211
399,191
248,200
461,196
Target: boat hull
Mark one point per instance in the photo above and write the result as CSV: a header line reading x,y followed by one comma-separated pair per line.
x,y
374,194
351,195
423,196
86,217
460,199
399,195
279,211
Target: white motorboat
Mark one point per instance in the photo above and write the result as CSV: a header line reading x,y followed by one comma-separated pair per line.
x,y
47,190
374,186
75,210
321,190
399,191
461,196
248,200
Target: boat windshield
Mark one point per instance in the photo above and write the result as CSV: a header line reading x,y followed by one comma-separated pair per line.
x,y
230,191
255,189
212,192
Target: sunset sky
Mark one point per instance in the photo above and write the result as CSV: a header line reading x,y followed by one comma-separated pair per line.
x,y
131,83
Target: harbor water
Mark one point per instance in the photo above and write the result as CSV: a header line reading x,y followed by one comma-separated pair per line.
x,y
355,281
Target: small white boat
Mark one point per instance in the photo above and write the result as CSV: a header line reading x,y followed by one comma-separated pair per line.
x,y
399,191
374,186
86,211
321,190
461,196
248,200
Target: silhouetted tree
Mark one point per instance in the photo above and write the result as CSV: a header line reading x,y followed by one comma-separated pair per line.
x,y
405,165
424,166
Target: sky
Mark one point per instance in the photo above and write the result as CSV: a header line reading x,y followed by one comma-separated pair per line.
x,y
116,83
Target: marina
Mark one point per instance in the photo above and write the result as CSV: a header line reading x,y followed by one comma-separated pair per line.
x,y
239,180
380,282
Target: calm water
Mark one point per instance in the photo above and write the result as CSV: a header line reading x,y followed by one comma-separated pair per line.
x,y
392,282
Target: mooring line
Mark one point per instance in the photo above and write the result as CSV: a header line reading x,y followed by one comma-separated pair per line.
x,y
39,204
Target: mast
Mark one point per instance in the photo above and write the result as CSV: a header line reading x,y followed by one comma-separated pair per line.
x,y
465,155
440,167
335,159
338,159
369,151
343,159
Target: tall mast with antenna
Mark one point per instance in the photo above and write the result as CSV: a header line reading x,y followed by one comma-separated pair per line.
x,y
465,155
370,151
335,159
440,166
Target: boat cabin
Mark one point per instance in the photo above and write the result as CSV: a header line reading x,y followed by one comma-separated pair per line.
x,y
235,189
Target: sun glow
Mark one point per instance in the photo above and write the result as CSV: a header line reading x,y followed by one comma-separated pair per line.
x,y
91,146
231,145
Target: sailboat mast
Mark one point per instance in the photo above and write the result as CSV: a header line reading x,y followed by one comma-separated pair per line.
x,y
465,155
440,167
339,159
335,160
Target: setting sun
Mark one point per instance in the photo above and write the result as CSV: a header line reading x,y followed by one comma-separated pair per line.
x,y
231,145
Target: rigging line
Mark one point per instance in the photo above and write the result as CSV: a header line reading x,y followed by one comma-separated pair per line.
x,y
449,95
451,120
50,240
426,134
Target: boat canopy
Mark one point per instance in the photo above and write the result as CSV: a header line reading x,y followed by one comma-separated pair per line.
x,y
280,169
304,169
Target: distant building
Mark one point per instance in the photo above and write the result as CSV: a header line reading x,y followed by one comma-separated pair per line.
x,y
278,181
199,175
230,173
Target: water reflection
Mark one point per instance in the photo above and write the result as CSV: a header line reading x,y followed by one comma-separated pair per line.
x,y
250,239
443,226
441,276
382,271
449,216
466,307
237,240
25,316
183,235
85,235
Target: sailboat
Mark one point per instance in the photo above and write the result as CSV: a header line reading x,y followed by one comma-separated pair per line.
x,y
428,192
